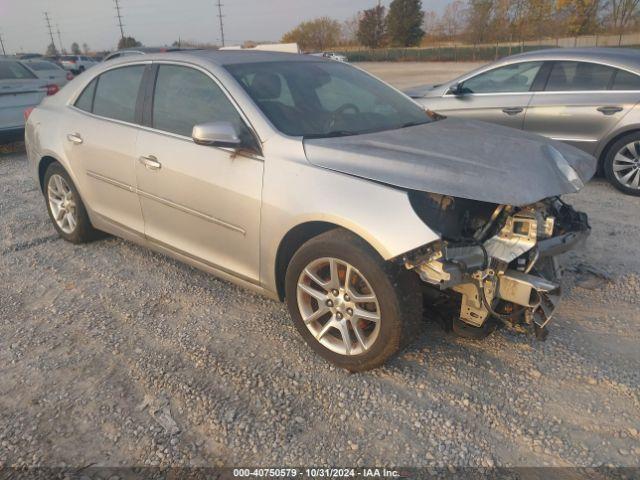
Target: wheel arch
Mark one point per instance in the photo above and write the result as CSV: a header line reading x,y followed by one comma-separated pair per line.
x,y
293,240
605,150
43,164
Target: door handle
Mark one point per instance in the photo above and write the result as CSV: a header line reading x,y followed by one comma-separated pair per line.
x,y
512,110
609,110
74,138
150,162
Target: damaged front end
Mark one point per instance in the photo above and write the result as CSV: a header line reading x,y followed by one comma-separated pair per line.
x,y
496,263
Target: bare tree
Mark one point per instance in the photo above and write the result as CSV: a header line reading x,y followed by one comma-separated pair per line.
x,y
620,14
350,29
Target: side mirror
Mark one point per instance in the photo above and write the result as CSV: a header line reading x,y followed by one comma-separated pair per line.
x,y
216,134
456,89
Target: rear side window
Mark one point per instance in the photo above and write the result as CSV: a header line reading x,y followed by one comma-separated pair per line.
x,y
626,81
117,92
185,97
85,100
14,71
43,66
579,76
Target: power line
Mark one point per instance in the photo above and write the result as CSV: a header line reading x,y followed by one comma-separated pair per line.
x,y
119,17
60,38
46,16
221,23
2,45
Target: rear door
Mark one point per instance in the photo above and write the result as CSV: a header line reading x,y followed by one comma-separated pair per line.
x,y
499,96
19,89
582,102
101,130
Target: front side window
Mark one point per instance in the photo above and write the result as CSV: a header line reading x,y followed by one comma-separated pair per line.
x,y
14,71
185,97
517,77
579,76
117,92
316,99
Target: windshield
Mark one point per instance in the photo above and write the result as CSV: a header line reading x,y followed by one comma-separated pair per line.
x,y
325,99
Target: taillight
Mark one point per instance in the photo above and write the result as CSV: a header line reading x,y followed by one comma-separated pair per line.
x,y
52,89
69,76
27,112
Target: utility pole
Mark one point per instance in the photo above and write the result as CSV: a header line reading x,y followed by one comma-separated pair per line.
x,y
119,17
2,45
221,23
48,20
62,49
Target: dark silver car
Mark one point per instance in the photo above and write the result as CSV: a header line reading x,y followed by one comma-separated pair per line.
x,y
585,97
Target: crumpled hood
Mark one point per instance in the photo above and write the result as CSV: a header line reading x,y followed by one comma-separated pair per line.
x,y
461,158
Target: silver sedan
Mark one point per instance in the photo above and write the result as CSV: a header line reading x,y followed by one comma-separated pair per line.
x,y
313,182
584,97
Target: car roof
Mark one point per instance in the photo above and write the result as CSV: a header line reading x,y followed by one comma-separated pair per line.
x,y
230,57
623,57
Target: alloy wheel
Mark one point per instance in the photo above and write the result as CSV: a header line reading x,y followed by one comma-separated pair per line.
x,y
338,306
626,165
62,203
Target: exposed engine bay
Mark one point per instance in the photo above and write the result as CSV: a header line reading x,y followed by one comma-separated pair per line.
x,y
498,262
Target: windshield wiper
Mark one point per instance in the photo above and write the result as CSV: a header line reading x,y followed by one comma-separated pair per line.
x,y
332,133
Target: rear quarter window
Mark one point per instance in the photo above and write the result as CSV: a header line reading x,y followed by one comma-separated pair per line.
x,y
85,100
626,81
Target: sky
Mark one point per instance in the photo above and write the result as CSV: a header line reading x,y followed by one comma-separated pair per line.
x,y
161,22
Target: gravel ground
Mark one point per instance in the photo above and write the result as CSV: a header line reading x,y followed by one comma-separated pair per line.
x,y
113,355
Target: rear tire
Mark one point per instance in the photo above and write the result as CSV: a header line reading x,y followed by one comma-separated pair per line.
x,y
622,164
64,205
392,296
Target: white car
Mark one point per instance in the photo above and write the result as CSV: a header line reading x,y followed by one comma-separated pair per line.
x,y
77,63
20,89
330,56
334,56
49,71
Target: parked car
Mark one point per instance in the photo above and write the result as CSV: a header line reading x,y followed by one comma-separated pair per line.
x,y
313,182
28,56
331,56
127,52
49,71
77,63
585,97
20,89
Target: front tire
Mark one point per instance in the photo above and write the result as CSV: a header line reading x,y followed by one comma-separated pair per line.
x,y
350,306
622,164
65,207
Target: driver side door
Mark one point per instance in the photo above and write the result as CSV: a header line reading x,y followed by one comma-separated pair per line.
x,y
498,96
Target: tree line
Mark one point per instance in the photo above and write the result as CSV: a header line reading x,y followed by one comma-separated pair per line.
x,y
406,24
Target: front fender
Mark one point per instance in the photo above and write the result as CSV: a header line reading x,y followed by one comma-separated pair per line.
x,y
380,214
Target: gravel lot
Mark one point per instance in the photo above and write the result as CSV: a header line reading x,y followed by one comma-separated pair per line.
x,y
114,355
